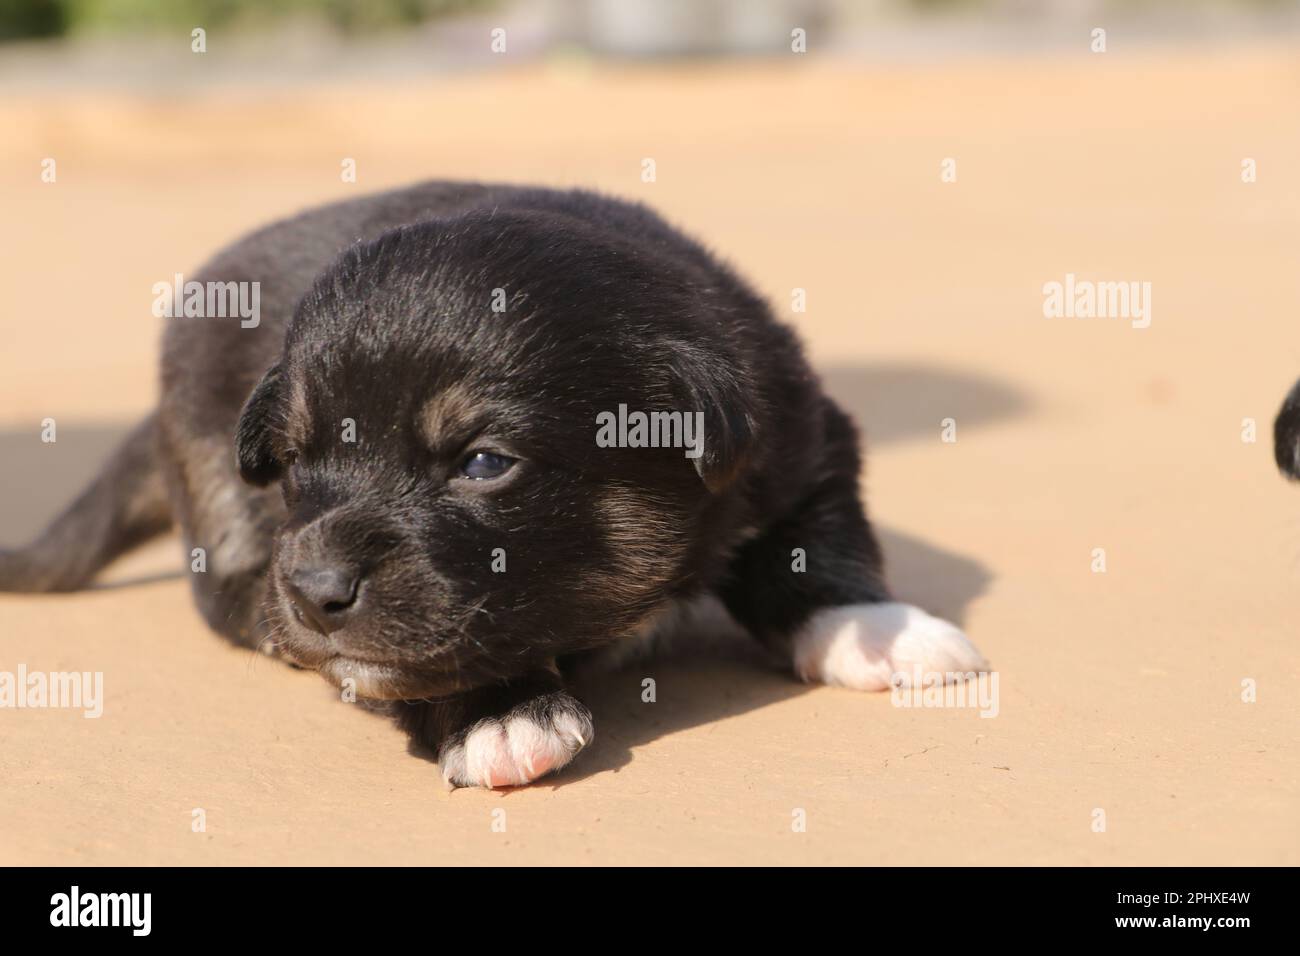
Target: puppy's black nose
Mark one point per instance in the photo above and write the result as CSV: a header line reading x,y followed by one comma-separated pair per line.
x,y
324,596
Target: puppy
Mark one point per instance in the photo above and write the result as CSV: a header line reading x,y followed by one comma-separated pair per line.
x,y
479,433
1286,435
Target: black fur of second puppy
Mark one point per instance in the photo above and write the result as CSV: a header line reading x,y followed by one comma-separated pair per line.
x,y
396,477
1286,435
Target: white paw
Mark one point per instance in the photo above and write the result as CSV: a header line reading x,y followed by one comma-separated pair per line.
x,y
873,646
514,750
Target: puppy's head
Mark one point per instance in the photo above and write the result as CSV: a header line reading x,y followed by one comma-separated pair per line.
x,y
433,425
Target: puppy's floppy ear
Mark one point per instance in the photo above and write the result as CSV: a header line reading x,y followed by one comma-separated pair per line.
x,y
711,386
254,445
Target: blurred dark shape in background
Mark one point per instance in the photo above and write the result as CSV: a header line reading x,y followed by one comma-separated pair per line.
x,y
21,19
33,19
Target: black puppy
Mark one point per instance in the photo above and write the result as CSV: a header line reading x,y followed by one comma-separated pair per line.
x,y
477,432
1286,435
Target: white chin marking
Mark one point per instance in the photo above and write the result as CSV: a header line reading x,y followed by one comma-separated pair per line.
x,y
375,681
862,646
515,751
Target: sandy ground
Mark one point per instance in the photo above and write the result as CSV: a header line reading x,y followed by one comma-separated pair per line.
x,y
1119,691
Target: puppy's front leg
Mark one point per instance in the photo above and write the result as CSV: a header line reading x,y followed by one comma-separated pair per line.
x,y
501,736
834,620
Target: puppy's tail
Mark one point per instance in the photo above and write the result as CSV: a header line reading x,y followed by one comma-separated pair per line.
x,y
123,507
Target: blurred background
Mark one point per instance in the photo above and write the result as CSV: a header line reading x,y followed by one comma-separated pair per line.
x,y
431,35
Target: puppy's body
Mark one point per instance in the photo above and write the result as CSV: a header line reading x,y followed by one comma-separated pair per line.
x,y
394,477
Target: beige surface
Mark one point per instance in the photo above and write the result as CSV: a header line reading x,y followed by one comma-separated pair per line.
x,y
1119,691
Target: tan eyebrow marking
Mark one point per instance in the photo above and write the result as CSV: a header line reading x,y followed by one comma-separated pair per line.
x,y
449,419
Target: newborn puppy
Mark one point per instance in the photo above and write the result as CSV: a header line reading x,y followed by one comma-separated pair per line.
x,y
478,432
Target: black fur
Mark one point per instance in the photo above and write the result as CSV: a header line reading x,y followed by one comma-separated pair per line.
x,y
379,311
1286,435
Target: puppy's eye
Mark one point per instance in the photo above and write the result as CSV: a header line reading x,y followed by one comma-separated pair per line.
x,y
481,465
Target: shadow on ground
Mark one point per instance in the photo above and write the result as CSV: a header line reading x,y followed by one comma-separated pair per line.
x,y
890,402
39,479
900,402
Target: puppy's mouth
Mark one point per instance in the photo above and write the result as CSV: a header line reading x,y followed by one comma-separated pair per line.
x,y
381,681
372,679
